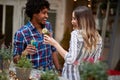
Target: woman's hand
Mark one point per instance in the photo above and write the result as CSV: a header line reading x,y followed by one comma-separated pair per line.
x,y
53,42
49,40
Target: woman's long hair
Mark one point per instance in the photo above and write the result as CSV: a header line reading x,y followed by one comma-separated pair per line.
x,y
87,25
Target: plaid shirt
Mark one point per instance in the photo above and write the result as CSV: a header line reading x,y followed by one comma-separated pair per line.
x,y
43,56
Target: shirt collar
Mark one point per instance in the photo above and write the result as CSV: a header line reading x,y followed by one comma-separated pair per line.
x,y
30,25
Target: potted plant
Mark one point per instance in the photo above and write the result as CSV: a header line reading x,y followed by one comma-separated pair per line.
x,y
23,68
5,57
3,76
93,71
49,75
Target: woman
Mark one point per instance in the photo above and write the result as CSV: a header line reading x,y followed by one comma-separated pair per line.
x,y
85,42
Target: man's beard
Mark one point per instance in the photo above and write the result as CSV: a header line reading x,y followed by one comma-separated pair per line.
x,y
42,25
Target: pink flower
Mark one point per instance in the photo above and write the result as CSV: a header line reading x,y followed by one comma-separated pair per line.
x,y
91,60
101,59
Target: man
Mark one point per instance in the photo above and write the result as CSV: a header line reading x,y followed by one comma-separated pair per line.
x,y
44,55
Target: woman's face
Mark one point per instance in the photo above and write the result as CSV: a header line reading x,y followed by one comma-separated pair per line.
x,y
74,21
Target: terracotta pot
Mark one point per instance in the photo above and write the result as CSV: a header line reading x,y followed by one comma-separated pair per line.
x,y
23,73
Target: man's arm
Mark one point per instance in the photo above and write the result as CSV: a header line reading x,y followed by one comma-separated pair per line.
x,y
56,62
18,46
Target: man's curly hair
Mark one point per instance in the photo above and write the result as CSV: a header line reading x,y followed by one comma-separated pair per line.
x,y
35,6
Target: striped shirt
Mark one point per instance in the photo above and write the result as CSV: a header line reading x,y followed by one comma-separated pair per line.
x,y
43,56
77,52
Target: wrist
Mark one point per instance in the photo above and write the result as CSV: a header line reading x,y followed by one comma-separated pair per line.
x,y
56,44
59,70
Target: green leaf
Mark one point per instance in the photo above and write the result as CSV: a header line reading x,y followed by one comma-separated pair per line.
x,y
96,70
24,62
6,53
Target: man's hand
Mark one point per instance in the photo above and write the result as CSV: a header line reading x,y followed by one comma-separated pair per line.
x,y
30,49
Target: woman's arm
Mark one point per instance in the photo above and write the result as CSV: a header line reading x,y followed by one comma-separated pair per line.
x,y
70,56
53,42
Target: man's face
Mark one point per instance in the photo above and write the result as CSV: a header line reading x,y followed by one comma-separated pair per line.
x,y
42,16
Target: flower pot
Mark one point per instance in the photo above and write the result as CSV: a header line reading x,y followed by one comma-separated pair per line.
x,y
23,73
